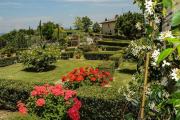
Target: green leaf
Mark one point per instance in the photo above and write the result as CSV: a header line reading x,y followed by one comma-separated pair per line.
x,y
176,19
178,49
173,40
167,3
164,54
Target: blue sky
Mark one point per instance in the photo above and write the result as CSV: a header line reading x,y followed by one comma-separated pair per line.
x,y
16,14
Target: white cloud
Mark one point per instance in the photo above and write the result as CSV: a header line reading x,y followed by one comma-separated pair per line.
x,y
10,4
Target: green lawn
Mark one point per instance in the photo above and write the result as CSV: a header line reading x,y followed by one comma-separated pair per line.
x,y
15,72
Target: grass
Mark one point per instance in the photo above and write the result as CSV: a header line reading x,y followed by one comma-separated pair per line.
x,y
16,71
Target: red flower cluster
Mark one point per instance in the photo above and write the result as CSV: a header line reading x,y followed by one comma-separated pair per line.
x,y
40,102
88,73
22,108
73,112
41,93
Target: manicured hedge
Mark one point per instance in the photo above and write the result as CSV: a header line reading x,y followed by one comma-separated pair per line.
x,y
100,55
102,103
117,58
107,66
7,61
111,48
113,43
67,55
11,91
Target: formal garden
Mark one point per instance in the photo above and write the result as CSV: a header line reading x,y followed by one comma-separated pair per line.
x,y
52,73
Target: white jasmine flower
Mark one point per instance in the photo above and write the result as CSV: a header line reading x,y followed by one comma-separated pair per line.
x,y
149,7
155,56
138,25
165,63
164,82
157,20
152,105
166,34
175,74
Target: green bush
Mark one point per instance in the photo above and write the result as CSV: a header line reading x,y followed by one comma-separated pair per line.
x,y
102,103
113,43
100,55
7,61
67,55
117,59
110,48
11,91
39,58
107,66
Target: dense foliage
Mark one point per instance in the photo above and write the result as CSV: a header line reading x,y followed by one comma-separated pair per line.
x,y
96,27
39,58
130,25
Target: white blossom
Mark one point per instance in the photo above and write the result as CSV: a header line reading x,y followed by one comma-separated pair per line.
x,y
165,63
166,34
157,20
155,56
138,25
164,82
149,7
175,74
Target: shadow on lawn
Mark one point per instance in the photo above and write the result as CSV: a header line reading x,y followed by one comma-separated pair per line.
x,y
49,68
127,71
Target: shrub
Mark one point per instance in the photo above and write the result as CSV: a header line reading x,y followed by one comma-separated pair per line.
x,y
117,59
67,55
110,48
113,43
107,66
86,76
39,58
102,103
7,61
11,91
102,55
52,102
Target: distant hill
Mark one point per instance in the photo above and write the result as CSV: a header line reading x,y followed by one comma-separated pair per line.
x,y
1,34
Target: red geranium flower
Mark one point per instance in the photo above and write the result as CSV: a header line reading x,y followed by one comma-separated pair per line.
x,y
69,94
40,102
93,79
80,78
22,108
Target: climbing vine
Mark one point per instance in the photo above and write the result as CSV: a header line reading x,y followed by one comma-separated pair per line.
x,y
162,89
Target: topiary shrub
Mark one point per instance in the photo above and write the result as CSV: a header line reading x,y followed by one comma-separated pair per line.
x,y
39,58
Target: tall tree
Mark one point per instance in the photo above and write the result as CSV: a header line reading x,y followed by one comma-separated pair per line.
x,y
86,23
48,29
78,24
126,25
96,27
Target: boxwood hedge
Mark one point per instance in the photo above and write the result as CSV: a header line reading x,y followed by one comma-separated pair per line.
x,y
111,48
100,55
113,43
7,61
66,55
11,91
